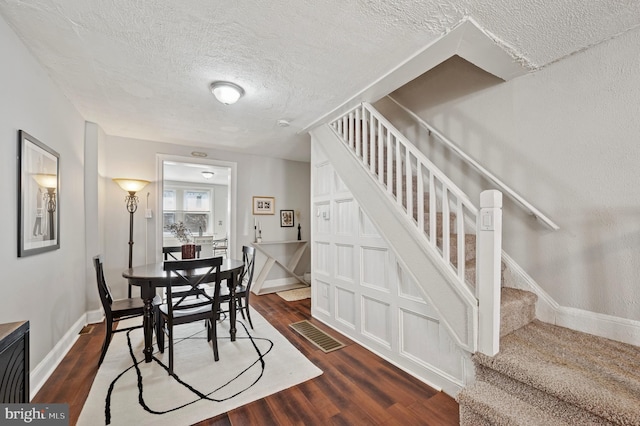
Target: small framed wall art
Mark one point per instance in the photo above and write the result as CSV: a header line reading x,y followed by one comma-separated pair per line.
x,y
286,218
264,205
38,196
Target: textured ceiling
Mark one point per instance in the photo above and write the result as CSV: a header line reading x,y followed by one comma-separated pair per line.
x,y
141,69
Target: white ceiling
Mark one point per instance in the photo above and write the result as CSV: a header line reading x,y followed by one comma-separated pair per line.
x,y
142,69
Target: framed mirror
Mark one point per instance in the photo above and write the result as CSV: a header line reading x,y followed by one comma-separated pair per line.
x,y
38,195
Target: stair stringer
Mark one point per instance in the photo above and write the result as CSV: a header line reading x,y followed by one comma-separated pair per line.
x,y
437,284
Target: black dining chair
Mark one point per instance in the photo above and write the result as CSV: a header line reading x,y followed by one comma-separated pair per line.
x,y
115,310
196,304
243,288
169,252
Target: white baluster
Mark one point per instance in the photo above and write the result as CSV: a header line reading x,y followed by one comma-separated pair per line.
x,y
432,210
446,245
358,125
420,198
372,143
381,143
409,177
461,254
365,138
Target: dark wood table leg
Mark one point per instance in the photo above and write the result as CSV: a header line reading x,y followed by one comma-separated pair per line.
x,y
148,292
231,282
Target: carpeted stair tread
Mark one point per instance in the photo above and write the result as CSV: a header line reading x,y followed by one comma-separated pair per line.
x,y
517,309
561,409
596,374
498,407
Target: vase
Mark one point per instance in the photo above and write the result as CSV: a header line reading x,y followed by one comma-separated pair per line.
x,y
189,251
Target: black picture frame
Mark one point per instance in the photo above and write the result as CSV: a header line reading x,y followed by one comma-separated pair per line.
x,y
286,218
38,196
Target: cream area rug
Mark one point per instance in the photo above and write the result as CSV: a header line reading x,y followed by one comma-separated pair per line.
x,y
128,391
295,294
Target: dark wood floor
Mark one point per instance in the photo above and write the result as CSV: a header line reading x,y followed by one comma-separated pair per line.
x,y
356,387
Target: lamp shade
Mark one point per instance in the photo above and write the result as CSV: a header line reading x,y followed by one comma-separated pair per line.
x,y
46,180
226,92
207,174
131,185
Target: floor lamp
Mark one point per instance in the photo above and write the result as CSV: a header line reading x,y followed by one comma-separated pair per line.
x,y
131,186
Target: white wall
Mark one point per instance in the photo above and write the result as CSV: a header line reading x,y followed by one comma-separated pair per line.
x,y
287,181
566,138
48,289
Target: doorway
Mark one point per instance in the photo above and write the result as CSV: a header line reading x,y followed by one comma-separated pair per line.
x,y
200,193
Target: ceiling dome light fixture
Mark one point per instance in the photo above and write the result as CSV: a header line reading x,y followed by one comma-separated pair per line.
x,y
207,175
226,92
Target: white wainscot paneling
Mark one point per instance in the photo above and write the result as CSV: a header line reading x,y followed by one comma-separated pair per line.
x,y
339,184
321,298
346,307
322,220
367,228
425,342
322,182
344,217
373,268
407,287
376,321
344,262
323,256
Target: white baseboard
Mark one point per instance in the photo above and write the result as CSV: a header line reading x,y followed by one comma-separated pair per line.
x,y
95,316
548,310
46,367
39,375
280,284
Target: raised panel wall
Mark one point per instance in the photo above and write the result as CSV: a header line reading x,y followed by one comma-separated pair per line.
x,y
363,292
374,268
376,321
346,307
345,262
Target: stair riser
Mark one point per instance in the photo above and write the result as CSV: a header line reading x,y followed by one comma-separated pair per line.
x,y
560,409
515,314
468,417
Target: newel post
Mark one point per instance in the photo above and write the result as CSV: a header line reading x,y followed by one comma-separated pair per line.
x,y
489,255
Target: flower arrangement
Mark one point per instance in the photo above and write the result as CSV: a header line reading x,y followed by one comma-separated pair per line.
x,y
181,232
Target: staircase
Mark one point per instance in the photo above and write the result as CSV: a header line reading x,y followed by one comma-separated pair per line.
x,y
550,375
543,374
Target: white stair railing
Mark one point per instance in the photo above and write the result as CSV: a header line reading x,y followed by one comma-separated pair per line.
x,y
438,208
444,216
504,188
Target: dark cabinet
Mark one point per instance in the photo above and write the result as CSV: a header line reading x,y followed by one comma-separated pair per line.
x,y
14,362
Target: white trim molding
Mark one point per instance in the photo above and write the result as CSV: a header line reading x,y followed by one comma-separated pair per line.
x,y
40,374
548,310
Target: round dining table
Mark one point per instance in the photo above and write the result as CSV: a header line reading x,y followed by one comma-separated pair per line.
x,y
151,276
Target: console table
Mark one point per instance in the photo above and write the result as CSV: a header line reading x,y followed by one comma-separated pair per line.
x,y
289,266
14,362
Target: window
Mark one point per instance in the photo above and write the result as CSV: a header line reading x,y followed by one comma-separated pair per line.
x,y
196,222
192,206
169,199
196,201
